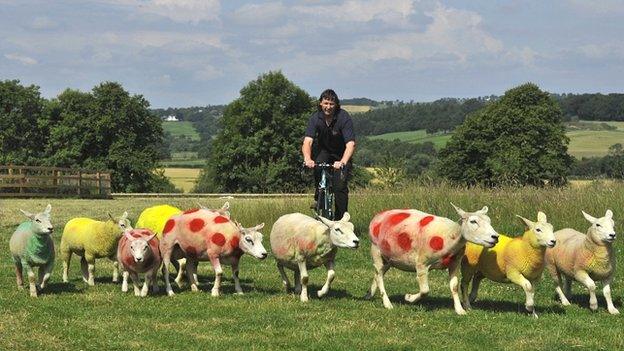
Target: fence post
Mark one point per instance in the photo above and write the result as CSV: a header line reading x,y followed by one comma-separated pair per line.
x,y
79,182
21,181
99,184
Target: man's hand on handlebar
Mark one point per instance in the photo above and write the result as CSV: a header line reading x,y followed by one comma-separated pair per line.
x,y
338,165
309,163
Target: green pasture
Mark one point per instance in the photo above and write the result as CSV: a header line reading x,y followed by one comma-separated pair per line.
x,y
73,316
416,136
181,128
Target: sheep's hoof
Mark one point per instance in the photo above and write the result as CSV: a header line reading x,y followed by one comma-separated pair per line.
x,y
304,299
321,293
20,287
614,310
388,306
461,312
214,293
170,293
124,289
594,308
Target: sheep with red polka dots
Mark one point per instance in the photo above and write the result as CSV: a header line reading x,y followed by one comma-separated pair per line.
x,y
138,252
206,235
300,242
411,240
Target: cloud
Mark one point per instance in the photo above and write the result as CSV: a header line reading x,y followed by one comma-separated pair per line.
x,y
42,23
185,11
260,14
24,60
360,11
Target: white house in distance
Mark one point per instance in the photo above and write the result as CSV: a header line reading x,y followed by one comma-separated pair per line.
x,y
171,118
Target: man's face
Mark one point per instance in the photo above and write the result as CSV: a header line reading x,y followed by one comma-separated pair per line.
x,y
328,107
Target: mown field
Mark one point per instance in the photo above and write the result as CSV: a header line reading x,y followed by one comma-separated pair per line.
x,y
183,178
181,128
73,316
583,143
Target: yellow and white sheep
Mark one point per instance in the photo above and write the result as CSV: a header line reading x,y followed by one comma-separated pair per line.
x,y
513,260
585,258
411,240
92,239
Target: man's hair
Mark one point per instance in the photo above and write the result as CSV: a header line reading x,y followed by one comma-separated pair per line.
x,y
330,95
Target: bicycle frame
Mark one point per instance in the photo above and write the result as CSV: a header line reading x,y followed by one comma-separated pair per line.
x,y
325,201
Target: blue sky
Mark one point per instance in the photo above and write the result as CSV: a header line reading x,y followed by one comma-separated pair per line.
x,y
199,52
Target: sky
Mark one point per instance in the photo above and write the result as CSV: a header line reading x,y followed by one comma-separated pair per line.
x,y
179,53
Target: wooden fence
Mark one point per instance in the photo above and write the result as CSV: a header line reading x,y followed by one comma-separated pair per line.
x,y
34,181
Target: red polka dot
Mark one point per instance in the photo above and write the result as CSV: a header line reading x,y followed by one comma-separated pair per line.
x,y
192,210
436,243
168,226
218,239
376,229
191,250
426,220
234,242
311,246
385,246
129,261
196,224
404,241
446,260
221,219
397,218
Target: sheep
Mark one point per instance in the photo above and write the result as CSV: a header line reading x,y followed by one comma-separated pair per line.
x,y
154,219
206,235
92,239
411,240
300,242
517,260
31,245
585,258
138,252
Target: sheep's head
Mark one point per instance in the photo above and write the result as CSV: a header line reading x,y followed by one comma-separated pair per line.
x,y
341,233
123,222
540,233
41,223
602,229
476,227
139,247
251,241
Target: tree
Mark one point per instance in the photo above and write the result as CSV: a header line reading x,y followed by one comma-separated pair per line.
x,y
23,124
257,149
519,139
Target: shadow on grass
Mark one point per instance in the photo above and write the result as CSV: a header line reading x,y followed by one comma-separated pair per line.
x,y
61,288
582,300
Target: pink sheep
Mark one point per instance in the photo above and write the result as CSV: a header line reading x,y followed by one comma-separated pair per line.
x,y
415,241
138,252
205,235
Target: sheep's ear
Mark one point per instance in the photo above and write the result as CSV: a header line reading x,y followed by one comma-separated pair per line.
x,y
226,206
609,214
346,217
48,209
527,222
589,217
201,206
28,214
326,221
459,211
124,215
128,235
483,211
111,216
258,227
541,217
150,237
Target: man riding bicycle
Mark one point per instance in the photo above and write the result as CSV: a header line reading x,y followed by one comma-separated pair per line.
x,y
331,128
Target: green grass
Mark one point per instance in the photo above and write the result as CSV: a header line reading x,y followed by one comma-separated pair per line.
x,y
73,316
182,178
181,128
583,143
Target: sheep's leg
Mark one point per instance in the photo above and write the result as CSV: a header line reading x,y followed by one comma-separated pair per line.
x,y
135,282
31,279
66,259
216,265
154,281
468,273
330,277
181,267
43,277
454,285
584,278
297,278
237,286
518,279
149,278
606,291
422,273
380,270
285,281
91,269
115,269
562,296
568,287
474,291
124,280
191,269
166,255
303,270
84,269
19,274
373,288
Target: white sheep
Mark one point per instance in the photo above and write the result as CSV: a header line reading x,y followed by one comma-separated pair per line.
x,y
411,240
138,252
517,260
31,246
92,239
586,259
300,242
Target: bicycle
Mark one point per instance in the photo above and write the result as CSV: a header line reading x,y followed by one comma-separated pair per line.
x,y
324,206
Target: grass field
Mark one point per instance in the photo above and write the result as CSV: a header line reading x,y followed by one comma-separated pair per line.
x,y
356,108
73,316
183,178
583,143
181,128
